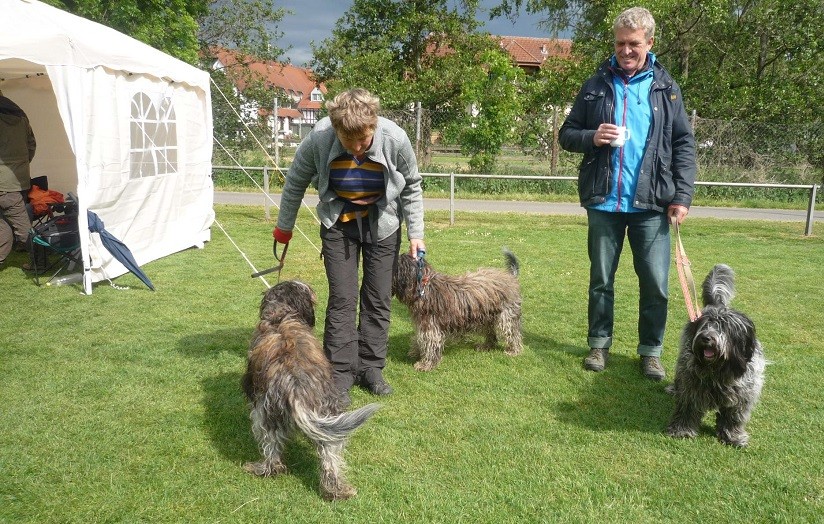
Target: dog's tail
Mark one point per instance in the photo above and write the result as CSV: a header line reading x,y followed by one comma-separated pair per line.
x,y
332,428
719,287
512,263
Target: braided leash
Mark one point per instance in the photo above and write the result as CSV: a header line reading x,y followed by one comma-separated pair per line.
x,y
682,263
422,279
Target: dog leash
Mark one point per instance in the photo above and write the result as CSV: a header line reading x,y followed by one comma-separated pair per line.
x,y
423,280
682,263
281,259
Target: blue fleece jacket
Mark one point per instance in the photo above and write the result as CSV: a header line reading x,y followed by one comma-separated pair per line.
x,y
633,109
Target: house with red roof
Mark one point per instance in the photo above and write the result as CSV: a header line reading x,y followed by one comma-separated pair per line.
x,y
531,53
297,84
307,95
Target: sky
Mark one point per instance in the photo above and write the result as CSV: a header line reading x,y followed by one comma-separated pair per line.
x,y
313,20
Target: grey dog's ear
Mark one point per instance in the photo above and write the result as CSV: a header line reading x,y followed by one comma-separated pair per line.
x,y
719,286
741,333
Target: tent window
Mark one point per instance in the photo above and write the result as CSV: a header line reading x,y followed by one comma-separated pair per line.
x,y
153,132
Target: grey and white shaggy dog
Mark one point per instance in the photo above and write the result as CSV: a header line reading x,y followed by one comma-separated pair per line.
x,y
720,366
288,383
487,301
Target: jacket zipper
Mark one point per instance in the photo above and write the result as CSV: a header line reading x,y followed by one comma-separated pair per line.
x,y
621,149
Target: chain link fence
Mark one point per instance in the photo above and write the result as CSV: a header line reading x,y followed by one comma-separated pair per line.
x,y
729,151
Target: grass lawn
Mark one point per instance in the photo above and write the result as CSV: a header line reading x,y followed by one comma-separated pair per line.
x,y
125,406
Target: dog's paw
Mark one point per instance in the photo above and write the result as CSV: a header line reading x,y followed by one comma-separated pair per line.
x,y
335,487
734,439
513,352
676,431
670,390
265,469
341,494
425,365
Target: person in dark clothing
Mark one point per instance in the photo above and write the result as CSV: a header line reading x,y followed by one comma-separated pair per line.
x,y
17,147
637,174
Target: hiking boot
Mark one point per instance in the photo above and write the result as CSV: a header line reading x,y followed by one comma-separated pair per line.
x,y
652,369
597,359
374,382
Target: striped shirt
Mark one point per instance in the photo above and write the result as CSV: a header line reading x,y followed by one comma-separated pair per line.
x,y
353,180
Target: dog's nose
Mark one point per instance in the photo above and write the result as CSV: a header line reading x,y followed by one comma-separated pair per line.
x,y
703,341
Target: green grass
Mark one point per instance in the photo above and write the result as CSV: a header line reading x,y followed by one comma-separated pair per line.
x,y
125,406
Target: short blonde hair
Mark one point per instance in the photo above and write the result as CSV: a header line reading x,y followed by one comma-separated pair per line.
x,y
636,18
354,113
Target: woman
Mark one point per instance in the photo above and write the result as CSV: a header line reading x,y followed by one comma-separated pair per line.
x,y
366,174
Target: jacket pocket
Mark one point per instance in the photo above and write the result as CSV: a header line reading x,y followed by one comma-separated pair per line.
x,y
593,177
594,107
664,183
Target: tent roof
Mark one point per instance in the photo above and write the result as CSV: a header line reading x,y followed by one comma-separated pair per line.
x,y
33,32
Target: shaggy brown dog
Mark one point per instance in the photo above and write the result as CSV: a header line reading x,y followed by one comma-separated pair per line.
x,y
487,301
288,383
720,366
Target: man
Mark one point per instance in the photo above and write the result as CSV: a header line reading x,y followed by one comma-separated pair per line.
x,y
366,174
17,146
631,189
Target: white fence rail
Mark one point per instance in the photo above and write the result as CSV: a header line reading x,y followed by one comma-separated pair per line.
x,y
812,189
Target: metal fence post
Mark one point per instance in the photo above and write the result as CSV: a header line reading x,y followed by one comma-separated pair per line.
x,y
418,129
808,230
451,199
266,192
553,164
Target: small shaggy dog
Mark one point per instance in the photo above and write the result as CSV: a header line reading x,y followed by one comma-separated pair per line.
x,y
486,301
720,366
288,383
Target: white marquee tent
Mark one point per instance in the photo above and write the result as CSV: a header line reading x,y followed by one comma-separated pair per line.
x,y
123,126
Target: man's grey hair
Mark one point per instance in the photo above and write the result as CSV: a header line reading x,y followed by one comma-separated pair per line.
x,y
636,18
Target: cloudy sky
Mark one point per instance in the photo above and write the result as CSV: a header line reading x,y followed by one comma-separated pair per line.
x,y
314,20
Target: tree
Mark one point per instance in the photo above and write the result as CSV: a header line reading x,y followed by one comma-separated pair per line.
x,y
249,27
409,51
169,26
492,94
756,60
545,95
185,28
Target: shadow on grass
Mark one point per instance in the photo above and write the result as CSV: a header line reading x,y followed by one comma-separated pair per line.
x,y
228,426
554,353
619,398
208,344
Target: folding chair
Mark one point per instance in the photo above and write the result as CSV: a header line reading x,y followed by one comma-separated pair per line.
x,y
42,213
57,238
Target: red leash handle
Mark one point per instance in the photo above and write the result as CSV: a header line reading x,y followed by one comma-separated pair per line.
x,y
283,238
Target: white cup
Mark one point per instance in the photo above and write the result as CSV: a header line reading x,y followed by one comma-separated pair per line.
x,y
623,137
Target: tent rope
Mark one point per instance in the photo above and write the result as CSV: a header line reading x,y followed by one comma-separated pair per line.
x,y
250,177
252,265
270,197
248,130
